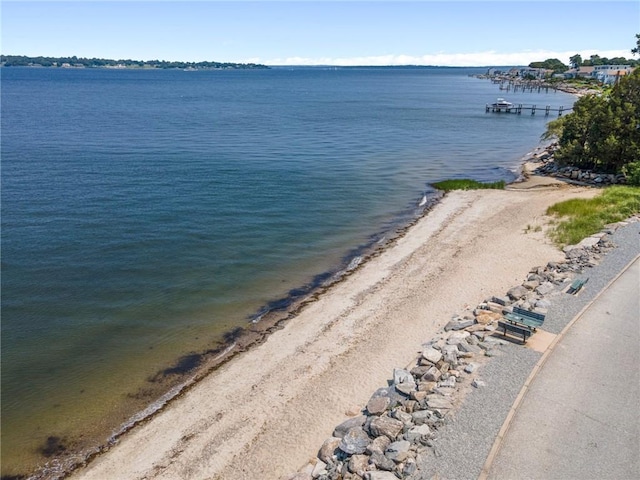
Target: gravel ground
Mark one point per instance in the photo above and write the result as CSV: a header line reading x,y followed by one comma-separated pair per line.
x,y
565,307
463,445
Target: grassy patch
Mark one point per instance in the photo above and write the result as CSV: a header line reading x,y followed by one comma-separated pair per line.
x,y
580,218
465,184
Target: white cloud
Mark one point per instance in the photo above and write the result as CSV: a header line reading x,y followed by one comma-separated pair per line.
x,y
477,59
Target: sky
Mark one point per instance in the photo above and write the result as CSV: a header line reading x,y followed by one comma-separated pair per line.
x,y
329,32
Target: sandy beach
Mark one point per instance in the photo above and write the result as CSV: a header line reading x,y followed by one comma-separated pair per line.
x,y
265,413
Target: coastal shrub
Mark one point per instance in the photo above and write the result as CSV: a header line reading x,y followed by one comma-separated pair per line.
x,y
580,218
466,184
632,172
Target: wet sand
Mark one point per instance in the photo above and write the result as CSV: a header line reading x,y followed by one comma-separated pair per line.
x,y
265,413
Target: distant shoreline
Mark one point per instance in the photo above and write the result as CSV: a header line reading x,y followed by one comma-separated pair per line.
x,y
121,64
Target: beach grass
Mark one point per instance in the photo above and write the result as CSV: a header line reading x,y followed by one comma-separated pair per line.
x,y
466,184
580,218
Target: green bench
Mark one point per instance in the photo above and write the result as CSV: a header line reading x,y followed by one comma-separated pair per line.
x,y
577,284
515,328
523,317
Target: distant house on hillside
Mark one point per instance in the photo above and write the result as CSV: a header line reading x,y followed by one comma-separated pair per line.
x,y
610,74
538,73
580,72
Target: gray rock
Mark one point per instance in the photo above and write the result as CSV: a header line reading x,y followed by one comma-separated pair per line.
x,y
411,405
448,382
457,337
458,324
546,288
378,445
385,425
420,370
355,441
406,388
397,451
467,348
590,242
573,252
439,402
358,464
383,463
320,468
504,301
445,391
470,368
478,383
473,338
402,376
542,303
422,417
342,429
410,468
432,355
452,358
427,386
390,392
432,375
376,406
328,449
415,434
401,415
517,293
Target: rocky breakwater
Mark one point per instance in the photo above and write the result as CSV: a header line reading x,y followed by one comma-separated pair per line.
x,y
549,167
396,435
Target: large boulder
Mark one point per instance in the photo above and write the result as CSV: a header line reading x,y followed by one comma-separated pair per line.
x,y
355,441
387,426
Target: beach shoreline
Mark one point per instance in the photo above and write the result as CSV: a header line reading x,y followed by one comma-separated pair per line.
x,y
289,391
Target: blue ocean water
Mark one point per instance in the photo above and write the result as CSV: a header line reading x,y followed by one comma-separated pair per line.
x,y
145,213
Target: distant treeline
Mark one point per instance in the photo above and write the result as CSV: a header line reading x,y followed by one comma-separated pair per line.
x,y
577,61
23,61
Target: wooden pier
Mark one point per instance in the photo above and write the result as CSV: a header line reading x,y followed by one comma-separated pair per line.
x,y
526,87
519,108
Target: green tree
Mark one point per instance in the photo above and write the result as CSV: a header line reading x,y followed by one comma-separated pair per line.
x,y
636,50
551,64
603,132
576,60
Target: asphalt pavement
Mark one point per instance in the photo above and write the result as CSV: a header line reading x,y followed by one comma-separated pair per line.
x,y
578,415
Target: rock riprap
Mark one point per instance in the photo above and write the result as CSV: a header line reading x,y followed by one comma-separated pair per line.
x,y
398,429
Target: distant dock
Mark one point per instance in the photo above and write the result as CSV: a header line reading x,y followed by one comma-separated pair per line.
x,y
518,108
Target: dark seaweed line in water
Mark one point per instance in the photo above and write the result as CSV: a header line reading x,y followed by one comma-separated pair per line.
x,y
191,368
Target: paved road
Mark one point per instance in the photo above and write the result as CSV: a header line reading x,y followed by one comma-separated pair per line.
x,y
580,418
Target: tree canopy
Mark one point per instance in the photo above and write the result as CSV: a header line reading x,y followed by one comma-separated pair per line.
x,y
550,64
603,132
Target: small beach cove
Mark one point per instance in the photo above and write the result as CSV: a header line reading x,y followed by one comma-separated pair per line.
x,y
277,403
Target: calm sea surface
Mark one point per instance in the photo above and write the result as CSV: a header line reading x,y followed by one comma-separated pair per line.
x,y
146,213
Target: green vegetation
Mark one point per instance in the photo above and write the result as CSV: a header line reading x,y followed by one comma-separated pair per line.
x,y
578,61
603,131
23,61
550,64
465,184
580,218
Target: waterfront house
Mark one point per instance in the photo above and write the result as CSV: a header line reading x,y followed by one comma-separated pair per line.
x,y
610,74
